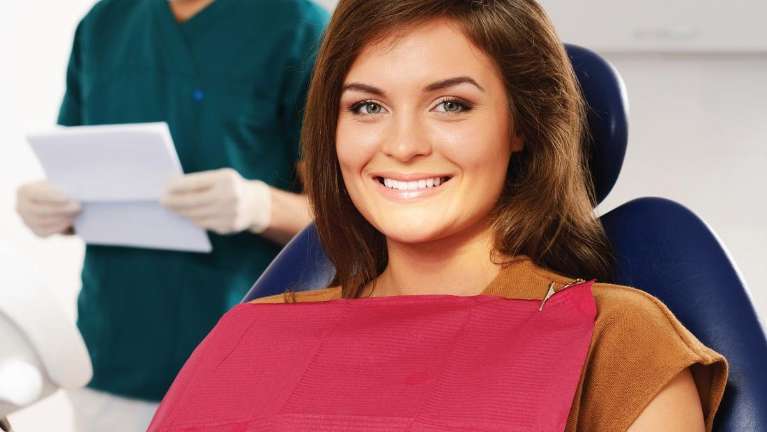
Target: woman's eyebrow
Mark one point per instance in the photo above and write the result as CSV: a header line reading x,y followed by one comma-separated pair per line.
x,y
443,84
438,85
363,88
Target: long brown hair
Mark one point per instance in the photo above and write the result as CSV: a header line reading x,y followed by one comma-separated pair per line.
x,y
545,210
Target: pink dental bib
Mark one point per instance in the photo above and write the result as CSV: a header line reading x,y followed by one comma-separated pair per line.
x,y
406,363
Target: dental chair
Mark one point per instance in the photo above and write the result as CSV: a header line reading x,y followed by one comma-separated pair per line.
x,y
40,347
659,245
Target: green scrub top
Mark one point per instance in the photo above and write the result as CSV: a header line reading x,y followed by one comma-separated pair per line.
x,y
231,84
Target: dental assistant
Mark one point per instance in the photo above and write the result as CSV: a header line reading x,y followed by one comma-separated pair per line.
x,y
229,77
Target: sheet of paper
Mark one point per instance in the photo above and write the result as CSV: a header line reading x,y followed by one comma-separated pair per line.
x,y
118,173
139,224
131,162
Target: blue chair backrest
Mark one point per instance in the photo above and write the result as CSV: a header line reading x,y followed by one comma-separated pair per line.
x,y
660,247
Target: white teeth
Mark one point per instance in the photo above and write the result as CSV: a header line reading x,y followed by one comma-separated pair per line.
x,y
412,185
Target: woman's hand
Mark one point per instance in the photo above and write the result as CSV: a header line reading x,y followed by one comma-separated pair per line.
x,y
676,408
45,209
221,201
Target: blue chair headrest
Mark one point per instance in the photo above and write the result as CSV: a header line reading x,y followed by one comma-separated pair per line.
x,y
607,105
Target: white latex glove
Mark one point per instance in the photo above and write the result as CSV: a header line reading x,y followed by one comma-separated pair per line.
x,y
221,201
45,209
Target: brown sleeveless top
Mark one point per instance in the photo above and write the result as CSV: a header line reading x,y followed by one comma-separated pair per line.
x,y
637,348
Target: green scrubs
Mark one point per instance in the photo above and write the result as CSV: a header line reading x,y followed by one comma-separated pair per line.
x,y
231,83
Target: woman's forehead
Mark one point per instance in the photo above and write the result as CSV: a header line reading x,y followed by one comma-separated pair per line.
x,y
424,52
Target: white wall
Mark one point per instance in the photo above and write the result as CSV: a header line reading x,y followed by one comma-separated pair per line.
x,y
35,41
698,135
662,25
36,46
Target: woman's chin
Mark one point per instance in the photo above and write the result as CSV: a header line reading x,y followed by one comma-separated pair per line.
x,y
412,233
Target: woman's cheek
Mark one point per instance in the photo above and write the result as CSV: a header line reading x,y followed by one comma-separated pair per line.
x,y
461,143
356,144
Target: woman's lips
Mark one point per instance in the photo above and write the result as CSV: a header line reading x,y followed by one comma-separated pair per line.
x,y
402,188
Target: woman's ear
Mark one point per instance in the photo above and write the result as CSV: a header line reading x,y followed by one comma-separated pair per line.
x,y
517,143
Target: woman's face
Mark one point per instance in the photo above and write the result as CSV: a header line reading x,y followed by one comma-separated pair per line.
x,y
424,136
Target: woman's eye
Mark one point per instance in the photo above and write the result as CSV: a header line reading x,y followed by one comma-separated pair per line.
x,y
452,106
367,108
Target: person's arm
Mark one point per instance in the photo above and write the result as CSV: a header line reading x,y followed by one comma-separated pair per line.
x,y
290,214
676,408
224,202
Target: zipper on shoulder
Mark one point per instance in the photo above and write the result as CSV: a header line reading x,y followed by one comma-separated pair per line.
x,y
552,290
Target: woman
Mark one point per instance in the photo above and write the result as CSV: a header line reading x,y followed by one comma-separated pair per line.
x,y
442,141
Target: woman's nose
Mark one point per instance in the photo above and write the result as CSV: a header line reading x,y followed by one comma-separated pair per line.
x,y
406,140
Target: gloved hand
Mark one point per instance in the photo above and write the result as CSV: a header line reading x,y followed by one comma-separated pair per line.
x,y
45,209
221,201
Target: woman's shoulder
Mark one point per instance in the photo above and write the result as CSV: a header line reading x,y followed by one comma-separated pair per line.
x,y
621,307
637,348
624,312
318,295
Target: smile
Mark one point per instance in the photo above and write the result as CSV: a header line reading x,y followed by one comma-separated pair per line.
x,y
408,189
412,185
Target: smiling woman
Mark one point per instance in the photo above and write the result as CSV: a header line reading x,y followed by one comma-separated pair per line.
x,y
443,150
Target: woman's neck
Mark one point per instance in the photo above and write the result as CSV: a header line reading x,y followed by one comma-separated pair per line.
x,y
183,10
456,265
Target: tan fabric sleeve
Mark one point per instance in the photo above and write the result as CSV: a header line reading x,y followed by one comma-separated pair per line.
x,y
638,346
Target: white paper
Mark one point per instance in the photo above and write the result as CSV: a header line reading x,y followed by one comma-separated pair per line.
x,y
119,173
